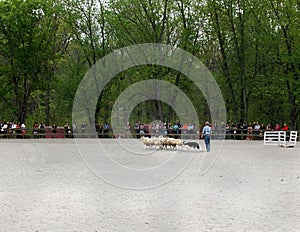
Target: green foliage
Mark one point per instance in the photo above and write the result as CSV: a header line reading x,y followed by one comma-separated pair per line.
x,y
30,44
251,47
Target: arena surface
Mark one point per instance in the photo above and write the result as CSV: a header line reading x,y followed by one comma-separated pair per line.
x,y
45,185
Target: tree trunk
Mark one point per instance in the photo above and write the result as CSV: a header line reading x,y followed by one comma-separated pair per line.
x,y
224,62
47,109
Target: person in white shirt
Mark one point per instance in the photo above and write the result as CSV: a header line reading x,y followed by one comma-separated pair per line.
x,y
23,128
206,133
4,128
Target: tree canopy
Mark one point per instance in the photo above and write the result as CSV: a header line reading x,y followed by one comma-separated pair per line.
x,y
252,48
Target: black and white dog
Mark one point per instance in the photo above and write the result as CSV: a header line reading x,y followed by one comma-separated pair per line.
x,y
194,145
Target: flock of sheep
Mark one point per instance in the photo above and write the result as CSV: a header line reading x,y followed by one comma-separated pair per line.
x,y
168,143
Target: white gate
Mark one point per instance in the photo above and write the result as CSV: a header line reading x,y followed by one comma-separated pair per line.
x,y
292,141
274,137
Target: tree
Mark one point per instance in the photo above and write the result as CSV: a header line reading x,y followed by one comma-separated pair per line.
x,y
87,24
285,21
29,47
258,55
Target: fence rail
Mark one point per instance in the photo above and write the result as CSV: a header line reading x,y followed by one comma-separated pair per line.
x,y
60,132
274,137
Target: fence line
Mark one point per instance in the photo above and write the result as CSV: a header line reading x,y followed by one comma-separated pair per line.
x,y
48,133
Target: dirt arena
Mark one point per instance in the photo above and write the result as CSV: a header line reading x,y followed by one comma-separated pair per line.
x,y
45,185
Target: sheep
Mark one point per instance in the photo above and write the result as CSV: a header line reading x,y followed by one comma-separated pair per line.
x,y
166,143
149,142
157,142
162,142
146,141
172,143
178,142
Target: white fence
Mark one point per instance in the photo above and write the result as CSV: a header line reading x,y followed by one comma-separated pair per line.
x,y
274,137
292,141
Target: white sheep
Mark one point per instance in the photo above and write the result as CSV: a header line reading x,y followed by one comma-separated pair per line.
x,y
146,141
172,143
157,142
149,142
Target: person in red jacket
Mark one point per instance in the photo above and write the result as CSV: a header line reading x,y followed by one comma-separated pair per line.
x,y
285,127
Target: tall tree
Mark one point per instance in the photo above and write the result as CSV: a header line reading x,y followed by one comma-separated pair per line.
x,y
230,26
285,21
86,21
172,22
29,46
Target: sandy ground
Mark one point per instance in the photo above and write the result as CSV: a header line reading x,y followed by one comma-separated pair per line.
x,y
46,185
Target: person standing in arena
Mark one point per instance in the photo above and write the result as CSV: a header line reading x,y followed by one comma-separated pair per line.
x,y
206,133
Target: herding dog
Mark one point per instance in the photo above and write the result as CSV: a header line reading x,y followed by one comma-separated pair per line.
x,y
194,145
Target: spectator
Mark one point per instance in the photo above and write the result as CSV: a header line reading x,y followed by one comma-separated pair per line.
x,y
127,129
243,129
42,129
16,129
261,132
233,131
163,129
83,128
191,130
12,127
257,126
106,129
227,128
249,132
54,130
269,127
238,132
256,130
277,127
4,128
137,129
179,129
23,129
185,128
67,130
285,127
74,128
169,127
35,129
176,130
147,130
141,129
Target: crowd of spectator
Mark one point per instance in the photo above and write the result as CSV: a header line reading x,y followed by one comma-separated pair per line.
x,y
12,128
138,129
251,131
160,128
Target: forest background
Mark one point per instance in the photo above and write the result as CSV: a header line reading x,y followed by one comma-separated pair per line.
x,y
252,48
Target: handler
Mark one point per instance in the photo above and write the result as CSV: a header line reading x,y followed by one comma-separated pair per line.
x,y
206,132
